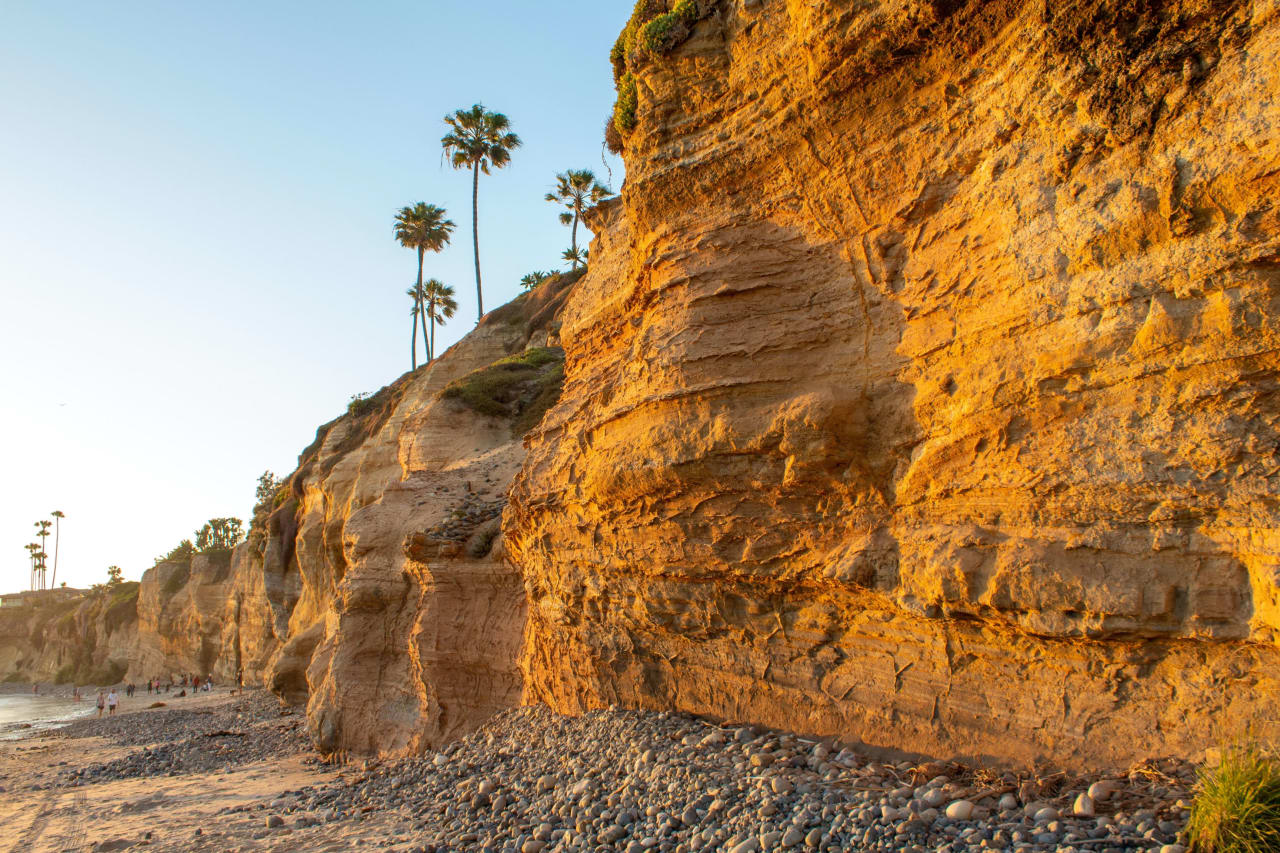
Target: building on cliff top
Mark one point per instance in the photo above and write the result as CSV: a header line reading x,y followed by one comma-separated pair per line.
x,y
31,598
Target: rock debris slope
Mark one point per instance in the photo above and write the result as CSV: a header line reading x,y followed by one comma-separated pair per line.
x,y
923,389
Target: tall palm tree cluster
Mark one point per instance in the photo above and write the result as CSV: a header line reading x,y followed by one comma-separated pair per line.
x,y
37,551
479,141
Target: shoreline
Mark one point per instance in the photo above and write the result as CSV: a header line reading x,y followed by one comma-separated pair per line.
x,y
237,773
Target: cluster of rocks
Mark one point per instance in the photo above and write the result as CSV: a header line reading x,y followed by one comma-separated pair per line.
x,y
534,782
472,512
470,527
179,742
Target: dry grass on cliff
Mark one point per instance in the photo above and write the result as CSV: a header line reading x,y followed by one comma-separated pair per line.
x,y
1237,804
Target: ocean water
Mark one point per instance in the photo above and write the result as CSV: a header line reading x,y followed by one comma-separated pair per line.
x,y
21,715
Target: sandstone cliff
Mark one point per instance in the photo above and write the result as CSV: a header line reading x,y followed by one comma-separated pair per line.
x,y
84,638
923,389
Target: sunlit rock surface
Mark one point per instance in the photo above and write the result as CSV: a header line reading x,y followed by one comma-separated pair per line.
x,y
923,389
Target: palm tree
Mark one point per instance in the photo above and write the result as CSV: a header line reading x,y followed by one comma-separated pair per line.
x,y
422,227
42,530
438,297
412,293
58,515
577,189
575,256
32,549
533,279
478,140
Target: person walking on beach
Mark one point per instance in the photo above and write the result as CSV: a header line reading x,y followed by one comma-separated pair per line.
x,y
101,703
112,701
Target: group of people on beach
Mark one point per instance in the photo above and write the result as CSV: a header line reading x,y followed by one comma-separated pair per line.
x,y
195,682
109,700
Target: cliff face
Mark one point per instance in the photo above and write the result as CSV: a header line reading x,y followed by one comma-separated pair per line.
x,y
86,639
923,389
182,612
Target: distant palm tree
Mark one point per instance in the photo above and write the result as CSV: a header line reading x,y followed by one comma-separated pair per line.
x,y
440,303
533,279
478,140
414,312
577,189
422,227
58,515
32,549
42,530
575,256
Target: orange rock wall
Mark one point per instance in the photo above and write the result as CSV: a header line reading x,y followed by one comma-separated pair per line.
x,y
923,389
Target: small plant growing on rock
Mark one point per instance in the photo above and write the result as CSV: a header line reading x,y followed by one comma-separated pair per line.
x,y
1237,804
359,404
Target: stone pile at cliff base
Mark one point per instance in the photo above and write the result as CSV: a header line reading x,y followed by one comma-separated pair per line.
x,y
532,781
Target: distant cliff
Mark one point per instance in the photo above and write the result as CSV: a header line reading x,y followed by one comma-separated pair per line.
x,y
70,637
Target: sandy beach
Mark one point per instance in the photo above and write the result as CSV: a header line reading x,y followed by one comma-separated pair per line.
x,y
44,809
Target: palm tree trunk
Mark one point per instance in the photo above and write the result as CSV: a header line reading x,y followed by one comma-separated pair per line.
x,y
413,347
475,235
57,537
433,331
422,313
574,243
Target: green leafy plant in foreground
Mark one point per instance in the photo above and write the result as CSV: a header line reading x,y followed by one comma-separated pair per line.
x,y
1237,804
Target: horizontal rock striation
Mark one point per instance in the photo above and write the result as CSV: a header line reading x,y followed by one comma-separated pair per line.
x,y
923,389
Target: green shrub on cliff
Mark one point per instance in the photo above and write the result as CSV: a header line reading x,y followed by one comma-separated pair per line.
x,y
180,553
656,28
1237,804
520,387
219,534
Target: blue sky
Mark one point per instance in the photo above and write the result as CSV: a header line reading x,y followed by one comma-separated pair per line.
x,y
196,258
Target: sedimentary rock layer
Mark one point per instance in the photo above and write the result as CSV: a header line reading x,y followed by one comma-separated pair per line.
x,y
923,389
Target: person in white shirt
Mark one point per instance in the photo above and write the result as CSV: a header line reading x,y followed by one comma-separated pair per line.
x,y
112,701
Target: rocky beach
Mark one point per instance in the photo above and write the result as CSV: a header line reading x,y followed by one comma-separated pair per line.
x,y
224,772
